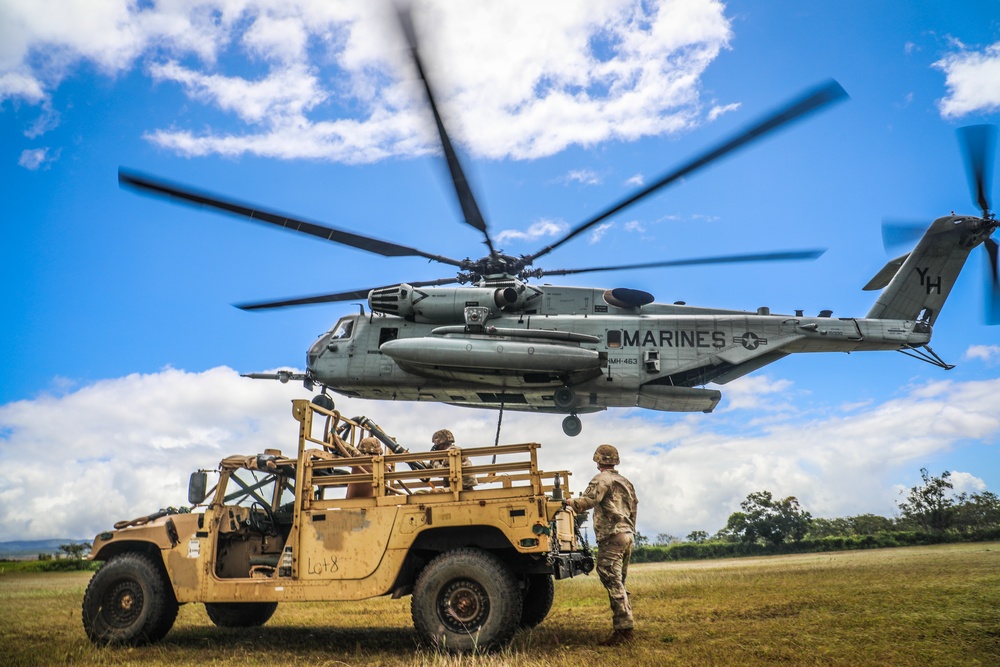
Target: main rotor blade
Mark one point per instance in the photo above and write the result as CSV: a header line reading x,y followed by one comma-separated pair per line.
x,y
815,99
979,145
466,200
157,187
351,295
728,259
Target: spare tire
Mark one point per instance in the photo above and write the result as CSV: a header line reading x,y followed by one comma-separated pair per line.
x,y
539,592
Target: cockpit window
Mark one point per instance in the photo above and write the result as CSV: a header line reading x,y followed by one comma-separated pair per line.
x,y
343,329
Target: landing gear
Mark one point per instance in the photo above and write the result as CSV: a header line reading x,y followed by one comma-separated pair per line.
x,y
323,401
564,398
572,426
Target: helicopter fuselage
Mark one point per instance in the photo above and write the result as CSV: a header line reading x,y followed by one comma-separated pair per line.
x,y
473,352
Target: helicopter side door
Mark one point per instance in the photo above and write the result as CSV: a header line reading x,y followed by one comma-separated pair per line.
x,y
624,357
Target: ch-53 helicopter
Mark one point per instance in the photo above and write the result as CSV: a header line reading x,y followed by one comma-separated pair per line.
x,y
499,342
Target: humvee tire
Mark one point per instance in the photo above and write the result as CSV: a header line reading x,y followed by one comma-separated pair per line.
x,y
240,614
128,601
539,592
466,600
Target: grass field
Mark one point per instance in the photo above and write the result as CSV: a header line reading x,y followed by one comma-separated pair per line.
x,y
935,605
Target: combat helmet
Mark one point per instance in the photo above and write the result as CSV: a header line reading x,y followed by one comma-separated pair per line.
x,y
606,455
442,439
370,446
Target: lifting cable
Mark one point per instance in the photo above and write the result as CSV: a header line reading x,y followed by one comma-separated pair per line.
x,y
496,442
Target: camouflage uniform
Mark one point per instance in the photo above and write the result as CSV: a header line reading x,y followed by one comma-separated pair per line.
x,y
613,499
444,439
369,446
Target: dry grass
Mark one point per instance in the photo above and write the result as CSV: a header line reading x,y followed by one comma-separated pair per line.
x,y
914,606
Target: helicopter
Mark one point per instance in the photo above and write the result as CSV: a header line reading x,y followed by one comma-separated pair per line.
x,y
488,337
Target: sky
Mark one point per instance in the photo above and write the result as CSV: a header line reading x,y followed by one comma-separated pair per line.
x,y
121,352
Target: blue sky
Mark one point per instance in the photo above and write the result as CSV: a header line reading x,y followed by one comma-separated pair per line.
x,y
110,298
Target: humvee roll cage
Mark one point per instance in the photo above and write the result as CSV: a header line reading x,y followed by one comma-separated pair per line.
x,y
324,467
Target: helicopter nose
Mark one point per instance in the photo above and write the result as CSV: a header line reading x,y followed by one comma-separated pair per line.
x,y
316,350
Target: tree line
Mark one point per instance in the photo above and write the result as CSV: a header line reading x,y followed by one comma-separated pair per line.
x,y
931,512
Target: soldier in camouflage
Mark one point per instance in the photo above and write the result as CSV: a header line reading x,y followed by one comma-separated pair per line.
x,y
444,439
367,447
613,500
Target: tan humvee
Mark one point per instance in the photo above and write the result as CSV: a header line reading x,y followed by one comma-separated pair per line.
x,y
327,524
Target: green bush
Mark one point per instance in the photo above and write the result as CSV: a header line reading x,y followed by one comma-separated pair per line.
x,y
721,549
61,565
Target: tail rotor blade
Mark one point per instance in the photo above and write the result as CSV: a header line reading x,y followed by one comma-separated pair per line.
x,y
979,145
991,251
897,233
993,283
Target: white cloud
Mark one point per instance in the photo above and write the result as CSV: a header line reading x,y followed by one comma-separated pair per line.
x,y
331,81
72,465
281,96
541,229
42,42
582,176
634,226
279,38
599,231
47,120
963,482
972,79
719,110
22,86
636,181
987,353
36,158
753,392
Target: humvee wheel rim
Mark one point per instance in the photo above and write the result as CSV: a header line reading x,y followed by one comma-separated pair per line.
x,y
123,604
463,605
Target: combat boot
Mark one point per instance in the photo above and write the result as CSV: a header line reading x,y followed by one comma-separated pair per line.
x,y
619,637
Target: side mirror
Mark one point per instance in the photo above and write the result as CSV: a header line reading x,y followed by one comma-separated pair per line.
x,y
197,487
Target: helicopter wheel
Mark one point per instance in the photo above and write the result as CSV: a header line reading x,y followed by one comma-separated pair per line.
x,y
323,401
572,426
564,398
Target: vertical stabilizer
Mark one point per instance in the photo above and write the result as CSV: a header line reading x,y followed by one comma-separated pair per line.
x,y
923,280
